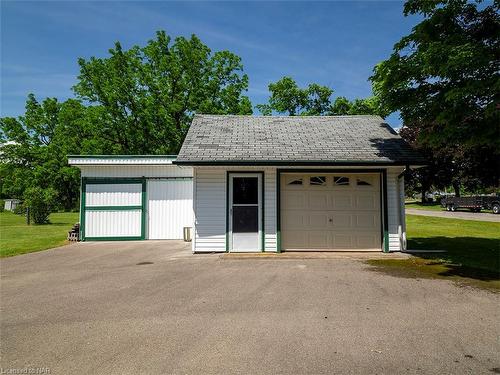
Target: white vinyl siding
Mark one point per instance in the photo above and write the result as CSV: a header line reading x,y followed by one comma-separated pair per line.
x,y
169,208
394,209
210,210
270,208
113,223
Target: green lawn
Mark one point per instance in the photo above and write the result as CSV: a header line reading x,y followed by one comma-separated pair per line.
x,y
424,206
472,251
18,238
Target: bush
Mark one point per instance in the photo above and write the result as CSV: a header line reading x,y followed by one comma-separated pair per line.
x,y
2,205
41,203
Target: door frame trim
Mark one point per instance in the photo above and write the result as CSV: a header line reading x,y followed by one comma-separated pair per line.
x,y
262,231
383,199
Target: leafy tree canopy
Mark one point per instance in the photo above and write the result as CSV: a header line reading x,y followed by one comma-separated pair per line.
x,y
148,95
444,79
314,100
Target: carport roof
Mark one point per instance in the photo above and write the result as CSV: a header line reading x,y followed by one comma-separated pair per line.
x,y
297,140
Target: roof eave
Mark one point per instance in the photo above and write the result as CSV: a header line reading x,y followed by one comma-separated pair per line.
x,y
346,163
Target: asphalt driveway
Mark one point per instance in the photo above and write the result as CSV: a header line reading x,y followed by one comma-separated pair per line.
x,y
475,216
152,307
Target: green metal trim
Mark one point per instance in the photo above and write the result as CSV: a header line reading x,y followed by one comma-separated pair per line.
x,y
143,207
113,208
83,191
227,211
385,208
278,211
262,208
111,180
123,156
132,238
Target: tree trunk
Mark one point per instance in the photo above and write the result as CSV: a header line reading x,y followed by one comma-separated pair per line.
x,y
456,187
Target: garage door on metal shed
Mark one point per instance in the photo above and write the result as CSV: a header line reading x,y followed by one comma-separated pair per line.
x,y
113,209
170,207
322,211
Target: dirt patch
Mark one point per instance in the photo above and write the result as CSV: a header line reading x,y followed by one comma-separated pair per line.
x,y
437,269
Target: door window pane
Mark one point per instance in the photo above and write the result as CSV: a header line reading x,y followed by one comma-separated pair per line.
x,y
245,219
245,190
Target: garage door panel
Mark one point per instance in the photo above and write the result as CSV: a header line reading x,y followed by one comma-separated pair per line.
x,y
318,220
318,200
366,220
318,239
294,199
113,194
342,220
367,241
367,201
294,239
113,223
342,241
342,200
334,216
293,220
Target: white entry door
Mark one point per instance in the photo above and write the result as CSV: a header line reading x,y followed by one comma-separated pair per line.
x,y
245,214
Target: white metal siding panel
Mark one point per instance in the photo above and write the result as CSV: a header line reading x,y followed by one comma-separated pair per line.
x,y
135,171
270,243
169,208
393,209
113,194
210,210
113,223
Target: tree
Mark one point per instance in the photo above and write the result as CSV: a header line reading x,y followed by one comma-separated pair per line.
x,y
444,79
314,100
146,96
35,148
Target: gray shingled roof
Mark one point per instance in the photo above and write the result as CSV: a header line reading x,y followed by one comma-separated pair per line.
x,y
302,140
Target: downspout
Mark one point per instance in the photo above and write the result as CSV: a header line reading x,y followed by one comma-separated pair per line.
x,y
402,215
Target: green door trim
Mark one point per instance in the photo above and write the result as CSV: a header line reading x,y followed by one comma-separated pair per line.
x,y
109,180
262,208
383,199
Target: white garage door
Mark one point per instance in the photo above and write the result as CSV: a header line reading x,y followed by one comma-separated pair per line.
x,y
113,210
330,212
170,208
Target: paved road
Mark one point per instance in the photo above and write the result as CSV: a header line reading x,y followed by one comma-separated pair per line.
x,y
151,307
477,216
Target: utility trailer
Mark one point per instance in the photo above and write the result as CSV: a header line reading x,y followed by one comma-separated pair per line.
x,y
474,203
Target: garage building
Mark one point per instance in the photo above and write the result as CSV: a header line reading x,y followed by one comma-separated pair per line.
x,y
302,183
251,184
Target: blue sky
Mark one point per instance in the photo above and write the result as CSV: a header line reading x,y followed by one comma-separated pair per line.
x,y
331,43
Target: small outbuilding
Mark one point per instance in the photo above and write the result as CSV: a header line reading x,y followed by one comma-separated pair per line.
x,y
11,204
304,183
125,197
252,184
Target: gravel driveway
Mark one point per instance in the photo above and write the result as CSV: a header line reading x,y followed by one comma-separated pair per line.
x,y
152,307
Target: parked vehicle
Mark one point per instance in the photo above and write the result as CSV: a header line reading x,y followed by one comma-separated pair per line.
x,y
474,203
